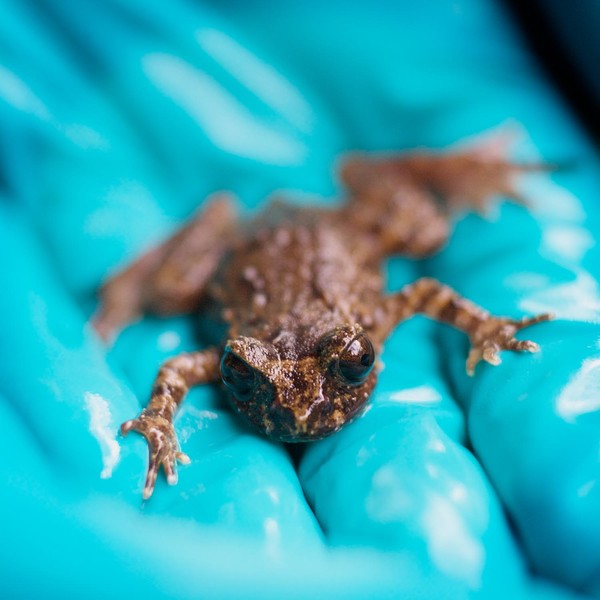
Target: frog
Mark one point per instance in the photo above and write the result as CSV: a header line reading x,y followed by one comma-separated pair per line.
x,y
301,296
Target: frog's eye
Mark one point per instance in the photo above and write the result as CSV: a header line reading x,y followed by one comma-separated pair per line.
x,y
356,360
238,376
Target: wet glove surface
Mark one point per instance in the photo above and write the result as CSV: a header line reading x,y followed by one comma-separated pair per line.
x,y
117,119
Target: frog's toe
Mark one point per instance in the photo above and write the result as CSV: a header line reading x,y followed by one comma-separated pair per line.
x,y
183,458
150,478
522,345
127,426
474,357
170,466
528,321
490,354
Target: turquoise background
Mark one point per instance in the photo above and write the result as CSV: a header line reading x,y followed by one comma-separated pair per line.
x,y
117,118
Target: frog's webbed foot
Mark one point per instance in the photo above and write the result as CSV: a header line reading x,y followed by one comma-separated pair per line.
x,y
163,448
498,333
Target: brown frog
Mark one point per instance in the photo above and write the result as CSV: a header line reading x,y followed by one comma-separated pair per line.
x,y
301,292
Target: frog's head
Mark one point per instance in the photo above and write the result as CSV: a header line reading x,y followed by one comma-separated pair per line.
x,y
305,397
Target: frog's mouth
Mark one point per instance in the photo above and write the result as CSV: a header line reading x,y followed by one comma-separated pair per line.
x,y
297,424
298,437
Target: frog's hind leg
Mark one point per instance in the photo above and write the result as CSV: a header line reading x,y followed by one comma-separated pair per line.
x,y
171,278
399,216
468,178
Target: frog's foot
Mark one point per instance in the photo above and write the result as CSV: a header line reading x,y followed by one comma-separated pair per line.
x,y
497,333
163,448
472,179
461,179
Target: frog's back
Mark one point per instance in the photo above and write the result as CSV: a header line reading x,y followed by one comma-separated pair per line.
x,y
295,272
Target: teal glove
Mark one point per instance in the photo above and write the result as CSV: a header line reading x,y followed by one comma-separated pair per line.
x,y
117,119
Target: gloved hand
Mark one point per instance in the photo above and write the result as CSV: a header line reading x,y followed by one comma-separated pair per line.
x,y
117,119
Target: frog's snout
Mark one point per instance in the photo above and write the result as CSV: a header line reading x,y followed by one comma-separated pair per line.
x,y
298,402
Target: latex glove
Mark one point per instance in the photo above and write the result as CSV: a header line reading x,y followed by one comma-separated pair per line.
x,y
119,118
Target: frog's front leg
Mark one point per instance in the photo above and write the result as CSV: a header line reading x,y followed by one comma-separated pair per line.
x,y
155,422
488,334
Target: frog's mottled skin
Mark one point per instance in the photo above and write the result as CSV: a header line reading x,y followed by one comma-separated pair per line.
x,y
301,292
